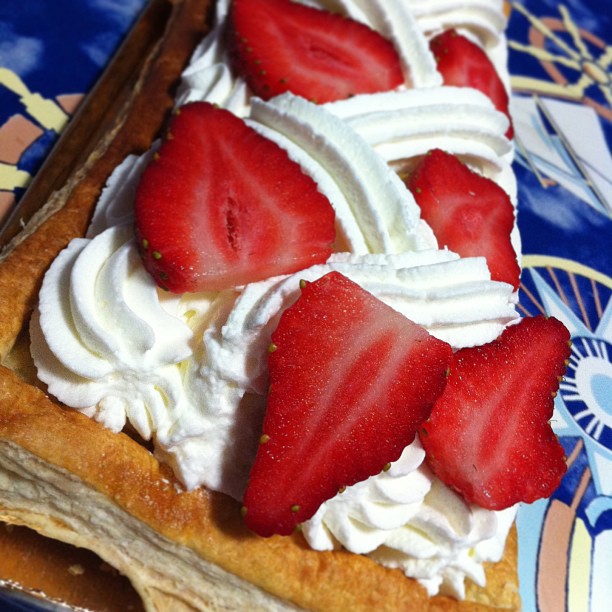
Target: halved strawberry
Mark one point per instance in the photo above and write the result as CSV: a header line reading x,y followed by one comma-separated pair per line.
x,y
222,206
469,213
489,435
351,381
464,64
279,46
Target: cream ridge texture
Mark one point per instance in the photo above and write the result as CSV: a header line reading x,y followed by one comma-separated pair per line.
x,y
189,372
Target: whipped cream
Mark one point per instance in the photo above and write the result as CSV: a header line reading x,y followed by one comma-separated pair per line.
x,y
189,372
107,342
483,20
405,518
407,124
192,397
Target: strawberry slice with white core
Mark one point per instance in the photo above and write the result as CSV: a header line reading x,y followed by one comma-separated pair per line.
x,y
463,63
279,46
221,206
489,435
351,381
469,213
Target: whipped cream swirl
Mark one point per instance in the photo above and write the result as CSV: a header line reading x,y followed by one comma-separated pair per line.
x,y
405,518
100,339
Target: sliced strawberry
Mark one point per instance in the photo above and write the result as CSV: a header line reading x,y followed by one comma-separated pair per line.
x,y
489,435
222,206
351,381
469,213
464,64
279,46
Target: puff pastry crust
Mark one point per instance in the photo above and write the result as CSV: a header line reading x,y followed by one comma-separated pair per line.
x,y
68,478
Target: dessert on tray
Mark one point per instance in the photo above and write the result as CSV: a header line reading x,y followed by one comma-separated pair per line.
x,y
276,359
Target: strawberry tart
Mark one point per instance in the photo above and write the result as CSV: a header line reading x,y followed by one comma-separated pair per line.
x,y
283,367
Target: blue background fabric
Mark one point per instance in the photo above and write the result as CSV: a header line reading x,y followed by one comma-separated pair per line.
x,y
560,65
57,48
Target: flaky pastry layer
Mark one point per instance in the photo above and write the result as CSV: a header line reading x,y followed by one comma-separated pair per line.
x,y
69,478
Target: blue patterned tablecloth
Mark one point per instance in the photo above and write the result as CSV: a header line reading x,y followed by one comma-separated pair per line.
x,y
52,52
560,58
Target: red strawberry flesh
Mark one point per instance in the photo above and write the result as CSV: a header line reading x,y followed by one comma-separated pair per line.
x,y
463,63
469,213
222,206
279,46
489,435
351,381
